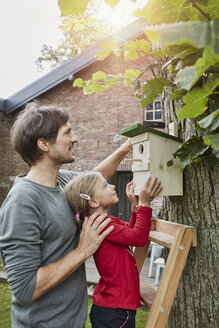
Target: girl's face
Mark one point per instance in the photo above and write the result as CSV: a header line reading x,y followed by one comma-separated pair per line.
x,y
104,193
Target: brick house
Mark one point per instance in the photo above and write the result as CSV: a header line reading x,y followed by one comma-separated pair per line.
x,y
96,118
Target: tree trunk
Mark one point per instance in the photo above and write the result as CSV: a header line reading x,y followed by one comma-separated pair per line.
x,y
196,301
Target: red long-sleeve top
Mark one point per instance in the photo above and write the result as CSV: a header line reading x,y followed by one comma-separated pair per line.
x,y
118,286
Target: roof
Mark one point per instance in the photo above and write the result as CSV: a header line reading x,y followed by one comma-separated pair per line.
x,y
137,129
66,71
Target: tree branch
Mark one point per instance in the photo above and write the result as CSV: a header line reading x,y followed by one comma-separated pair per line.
x,y
194,4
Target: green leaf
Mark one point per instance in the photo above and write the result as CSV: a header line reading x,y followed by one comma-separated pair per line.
x,y
207,121
195,101
109,84
159,53
212,140
69,7
152,89
112,3
178,93
99,75
130,75
191,151
102,54
133,48
97,87
186,77
189,13
160,11
88,87
153,36
189,75
78,83
67,24
211,9
199,34
181,50
111,46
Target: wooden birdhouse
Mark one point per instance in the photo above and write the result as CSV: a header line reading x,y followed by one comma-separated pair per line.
x,y
152,149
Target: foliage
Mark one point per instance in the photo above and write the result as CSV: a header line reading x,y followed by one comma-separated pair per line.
x,y
188,49
5,308
79,33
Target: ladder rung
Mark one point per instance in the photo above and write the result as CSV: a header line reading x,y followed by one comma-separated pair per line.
x,y
161,238
147,294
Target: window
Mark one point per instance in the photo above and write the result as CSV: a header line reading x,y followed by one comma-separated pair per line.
x,y
153,111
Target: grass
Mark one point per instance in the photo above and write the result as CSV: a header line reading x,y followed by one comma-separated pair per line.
x,y
5,309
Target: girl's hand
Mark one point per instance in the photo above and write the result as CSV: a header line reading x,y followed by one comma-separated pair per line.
x,y
149,191
131,195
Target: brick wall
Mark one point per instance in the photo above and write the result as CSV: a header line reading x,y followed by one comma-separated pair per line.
x,y
95,118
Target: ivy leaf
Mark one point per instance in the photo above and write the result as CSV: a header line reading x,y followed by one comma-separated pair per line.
x,y
112,3
152,89
195,101
130,75
109,84
88,87
69,7
78,83
102,54
207,121
99,76
97,87
133,48
212,140
110,46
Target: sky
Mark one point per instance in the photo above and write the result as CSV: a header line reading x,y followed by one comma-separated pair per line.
x,y
25,25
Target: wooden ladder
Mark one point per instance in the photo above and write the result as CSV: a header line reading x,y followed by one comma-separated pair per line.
x,y
179,239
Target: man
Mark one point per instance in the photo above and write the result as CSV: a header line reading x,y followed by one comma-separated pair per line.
x,y
41,248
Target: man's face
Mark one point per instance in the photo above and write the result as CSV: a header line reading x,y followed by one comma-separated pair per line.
x,y
61,151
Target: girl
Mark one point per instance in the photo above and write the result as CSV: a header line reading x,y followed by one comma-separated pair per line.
x,y
117,294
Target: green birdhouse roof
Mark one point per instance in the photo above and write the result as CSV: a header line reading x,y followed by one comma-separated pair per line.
x,y
137,129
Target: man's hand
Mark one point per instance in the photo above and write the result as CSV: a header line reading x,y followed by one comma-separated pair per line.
x,y
92,234
127,145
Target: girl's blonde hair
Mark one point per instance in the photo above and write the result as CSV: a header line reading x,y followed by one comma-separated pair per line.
x,y
81,184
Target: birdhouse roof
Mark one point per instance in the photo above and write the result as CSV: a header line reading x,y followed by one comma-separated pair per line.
x,y
137,129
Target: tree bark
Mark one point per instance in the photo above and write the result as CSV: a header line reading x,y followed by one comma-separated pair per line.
x,y
196,301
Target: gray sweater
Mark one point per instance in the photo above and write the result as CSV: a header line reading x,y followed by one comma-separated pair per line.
x,y
37,228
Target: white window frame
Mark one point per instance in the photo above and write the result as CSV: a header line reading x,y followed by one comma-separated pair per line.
x,y
153,110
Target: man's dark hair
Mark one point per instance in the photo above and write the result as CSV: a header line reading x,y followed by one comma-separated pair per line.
x,y
33,123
